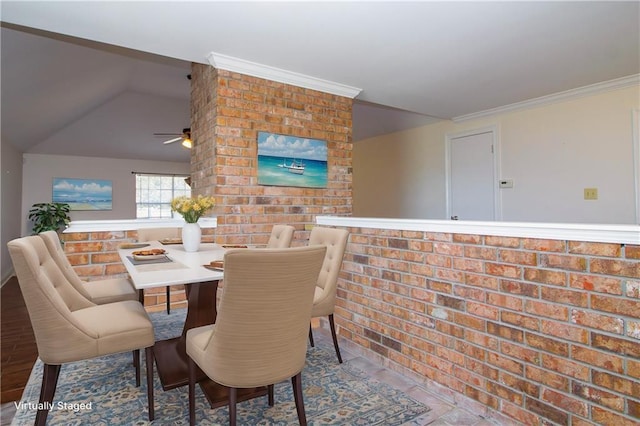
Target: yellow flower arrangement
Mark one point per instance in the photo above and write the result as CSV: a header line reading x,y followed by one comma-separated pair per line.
x,y
192,209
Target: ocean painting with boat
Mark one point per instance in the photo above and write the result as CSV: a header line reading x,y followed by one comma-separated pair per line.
x,y
291,161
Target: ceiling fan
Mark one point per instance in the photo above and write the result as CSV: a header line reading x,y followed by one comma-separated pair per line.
x,y
185,137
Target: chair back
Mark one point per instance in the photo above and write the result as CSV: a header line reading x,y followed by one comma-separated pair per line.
x,y
263,319
336,242
51,301
52,242
281,236
153,234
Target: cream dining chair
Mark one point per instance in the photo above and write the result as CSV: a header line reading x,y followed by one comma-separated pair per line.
x,y
157,234
260,334
99,292
324,299
281,236
68,327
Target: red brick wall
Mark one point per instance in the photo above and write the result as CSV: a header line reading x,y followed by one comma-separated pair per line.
x,y
543,331
227,112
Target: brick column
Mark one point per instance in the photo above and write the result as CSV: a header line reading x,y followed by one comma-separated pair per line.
x,y
228,110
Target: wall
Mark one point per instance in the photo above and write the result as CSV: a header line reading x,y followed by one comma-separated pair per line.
x,y
551,152
10,212
227,112
543,331
40,169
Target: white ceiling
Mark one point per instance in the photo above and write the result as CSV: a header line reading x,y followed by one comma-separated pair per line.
x,y
416,62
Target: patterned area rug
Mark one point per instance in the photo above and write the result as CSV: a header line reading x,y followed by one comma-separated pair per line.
x,y
102,392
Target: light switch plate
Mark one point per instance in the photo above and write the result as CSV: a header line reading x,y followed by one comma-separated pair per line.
x,y
506,183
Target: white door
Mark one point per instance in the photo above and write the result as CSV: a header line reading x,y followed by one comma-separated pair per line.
x,y
472,177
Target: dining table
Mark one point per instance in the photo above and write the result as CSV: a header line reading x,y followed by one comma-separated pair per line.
x,y
193,269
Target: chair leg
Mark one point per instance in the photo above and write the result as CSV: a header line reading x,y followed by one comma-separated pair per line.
x,y
149,359
141,297
49,382
192,392
296,382
168,300
136,365
335,338
311,336
270,395
233,398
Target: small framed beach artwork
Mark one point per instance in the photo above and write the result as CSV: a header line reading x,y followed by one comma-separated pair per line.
x,y
291,161
83,194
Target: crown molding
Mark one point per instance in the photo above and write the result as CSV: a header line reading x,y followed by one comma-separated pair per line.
x,y
230,63
592,89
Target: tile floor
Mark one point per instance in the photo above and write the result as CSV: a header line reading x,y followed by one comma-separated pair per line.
x,y
444,411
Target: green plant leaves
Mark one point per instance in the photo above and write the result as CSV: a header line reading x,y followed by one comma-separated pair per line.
x,y
49,216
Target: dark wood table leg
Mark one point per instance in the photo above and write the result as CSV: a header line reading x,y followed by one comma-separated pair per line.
x,y
171,354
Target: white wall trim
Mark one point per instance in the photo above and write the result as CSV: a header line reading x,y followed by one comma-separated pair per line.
x,y
592,89
620,234
230,63
133,224
636,159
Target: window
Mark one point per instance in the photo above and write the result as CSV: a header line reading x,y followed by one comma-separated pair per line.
x,y
155,192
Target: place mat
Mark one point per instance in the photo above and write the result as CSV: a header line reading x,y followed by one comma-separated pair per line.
x,y
133,245
164,259
213,268
234,246
168,241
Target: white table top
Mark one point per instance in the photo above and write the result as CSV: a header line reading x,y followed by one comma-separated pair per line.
x,y
186,267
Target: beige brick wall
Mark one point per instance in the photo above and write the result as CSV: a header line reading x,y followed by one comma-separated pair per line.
x,y
543,331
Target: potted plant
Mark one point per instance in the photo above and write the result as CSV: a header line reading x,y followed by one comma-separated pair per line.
x,y
49,216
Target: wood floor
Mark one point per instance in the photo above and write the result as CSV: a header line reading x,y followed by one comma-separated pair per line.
x,y
17,343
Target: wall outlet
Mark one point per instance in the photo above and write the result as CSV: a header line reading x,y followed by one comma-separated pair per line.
x,y
591,193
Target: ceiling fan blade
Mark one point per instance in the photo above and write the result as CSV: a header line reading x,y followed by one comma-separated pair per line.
x,y
172,140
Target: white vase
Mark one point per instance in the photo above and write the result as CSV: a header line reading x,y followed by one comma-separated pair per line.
x,y
191,236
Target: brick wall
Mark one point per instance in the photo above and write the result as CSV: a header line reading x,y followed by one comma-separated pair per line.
x,y
227,112
542,331
94,256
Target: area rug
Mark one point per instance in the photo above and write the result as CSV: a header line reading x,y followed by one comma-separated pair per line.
x,y
102,392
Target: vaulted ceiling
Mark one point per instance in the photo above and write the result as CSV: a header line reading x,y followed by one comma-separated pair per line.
x,y
99,78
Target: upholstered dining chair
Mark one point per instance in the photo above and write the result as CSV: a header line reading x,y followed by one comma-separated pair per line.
x,y
281,236
260,334
68,327
324,299
153,234
99,292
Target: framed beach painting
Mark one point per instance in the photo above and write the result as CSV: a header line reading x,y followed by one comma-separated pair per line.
x,y
83,194
291,161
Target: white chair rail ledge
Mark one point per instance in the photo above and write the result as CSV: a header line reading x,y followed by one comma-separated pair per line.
x,y
598,233
133,224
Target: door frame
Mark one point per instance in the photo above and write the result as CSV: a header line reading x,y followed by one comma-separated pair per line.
x,y
497,195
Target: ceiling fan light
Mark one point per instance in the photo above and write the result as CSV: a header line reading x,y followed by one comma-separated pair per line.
x,y
187,143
